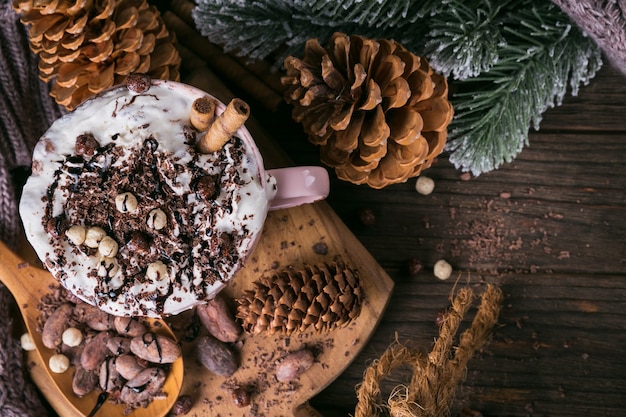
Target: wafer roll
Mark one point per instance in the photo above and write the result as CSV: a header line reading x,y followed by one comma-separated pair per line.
x,y
202,113
224,126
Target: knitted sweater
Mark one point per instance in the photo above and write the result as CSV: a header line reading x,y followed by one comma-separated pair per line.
x,y
27,111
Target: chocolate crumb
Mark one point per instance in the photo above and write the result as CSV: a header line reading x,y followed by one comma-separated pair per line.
x,y
367,216
138,83
182,405
241,396
320,248
415,267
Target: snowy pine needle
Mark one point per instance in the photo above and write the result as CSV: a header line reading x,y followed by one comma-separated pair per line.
x,y
508,61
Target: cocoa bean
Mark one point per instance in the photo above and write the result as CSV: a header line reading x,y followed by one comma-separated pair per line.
x,y
118,345
182,406
83,381
216,356
127,366
129,326
93,317
55,325
142,387
293,365
219,320
110,378
155,348
95,351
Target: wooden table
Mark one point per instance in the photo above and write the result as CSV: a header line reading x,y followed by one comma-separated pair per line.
x,y
549,228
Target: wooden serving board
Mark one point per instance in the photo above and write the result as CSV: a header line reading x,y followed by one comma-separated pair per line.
x,y
307,234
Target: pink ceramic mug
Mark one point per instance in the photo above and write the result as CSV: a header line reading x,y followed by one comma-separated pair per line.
x,y
129,217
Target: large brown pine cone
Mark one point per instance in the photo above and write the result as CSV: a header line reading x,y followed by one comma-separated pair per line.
x,y
86,46
379,112
321,296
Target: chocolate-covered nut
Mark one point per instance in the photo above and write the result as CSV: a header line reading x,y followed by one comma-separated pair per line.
x,y
293,365
83,381
118,345
155,348
57,226
142,387
207,187
86,145
55,325
95,351
138,83
93,317
139,243
219,320
128,366
110,378
129,326
216,356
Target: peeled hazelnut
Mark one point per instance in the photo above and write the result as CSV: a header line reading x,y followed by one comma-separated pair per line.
x,y
93,236
59,363
424,185
108,267
76,234
157,219
442,269
27,342
72,337
125,202
156,271
108,247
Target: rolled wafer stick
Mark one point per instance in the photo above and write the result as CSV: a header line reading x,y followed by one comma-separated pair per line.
x,y
202,113
224,126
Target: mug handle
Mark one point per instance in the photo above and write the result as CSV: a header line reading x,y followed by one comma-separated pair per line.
x,y
299,185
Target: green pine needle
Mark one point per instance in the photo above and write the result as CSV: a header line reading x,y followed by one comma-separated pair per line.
x,y
509,60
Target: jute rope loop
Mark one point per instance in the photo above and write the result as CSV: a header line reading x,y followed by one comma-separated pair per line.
x,y
436,376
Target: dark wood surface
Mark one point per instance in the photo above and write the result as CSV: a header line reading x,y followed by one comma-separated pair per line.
x,y
549,228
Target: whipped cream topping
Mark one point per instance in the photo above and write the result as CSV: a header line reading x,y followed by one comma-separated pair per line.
x,y
125,213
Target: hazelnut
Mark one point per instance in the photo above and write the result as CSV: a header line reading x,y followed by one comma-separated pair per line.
x,y
424,185
157,219
59,363
72,337
125,202
156,271
108,267
86,145
93,236
442,269
27,342
76,234
108,247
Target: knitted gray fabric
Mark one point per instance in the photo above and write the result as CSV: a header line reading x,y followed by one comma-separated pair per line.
x,y
605,22
27,111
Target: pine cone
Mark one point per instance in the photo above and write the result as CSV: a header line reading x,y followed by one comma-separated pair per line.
x,y
85,47
378,111
323,296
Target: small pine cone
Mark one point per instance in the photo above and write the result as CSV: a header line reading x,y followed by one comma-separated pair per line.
x,y
85,47
379,112
321,296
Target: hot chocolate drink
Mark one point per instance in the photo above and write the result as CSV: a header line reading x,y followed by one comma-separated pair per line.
x,y
129,216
